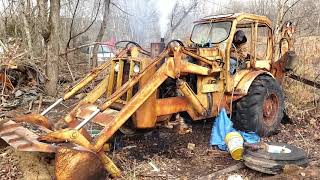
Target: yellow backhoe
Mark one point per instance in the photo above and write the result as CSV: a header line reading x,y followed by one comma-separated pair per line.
x,y
144,88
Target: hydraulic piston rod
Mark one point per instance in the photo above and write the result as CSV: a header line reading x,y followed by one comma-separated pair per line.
x,y
192,98
51,107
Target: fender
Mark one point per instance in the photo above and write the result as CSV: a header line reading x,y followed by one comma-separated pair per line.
x,y
246,80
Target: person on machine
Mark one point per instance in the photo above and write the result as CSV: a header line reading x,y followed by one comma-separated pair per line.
x,y
239,51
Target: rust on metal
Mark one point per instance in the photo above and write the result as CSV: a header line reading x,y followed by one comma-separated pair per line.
x,y
78,164
70,135
192,98
23,139
270,108
129,90
103,119
136,101
37,119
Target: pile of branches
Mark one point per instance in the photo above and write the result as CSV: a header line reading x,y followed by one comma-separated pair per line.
x,y
18,72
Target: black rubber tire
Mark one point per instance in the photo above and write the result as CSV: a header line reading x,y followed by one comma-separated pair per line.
x,y
270,166
296,153
248,112
273,163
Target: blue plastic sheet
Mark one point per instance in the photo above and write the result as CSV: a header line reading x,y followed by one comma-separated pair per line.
x,y
222,126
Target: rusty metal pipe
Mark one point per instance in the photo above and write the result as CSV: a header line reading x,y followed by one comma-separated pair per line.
x,y
91,76
189,94
77,87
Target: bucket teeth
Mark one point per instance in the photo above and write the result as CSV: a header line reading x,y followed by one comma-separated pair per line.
x,y
19,138
6,127
22,139
25,146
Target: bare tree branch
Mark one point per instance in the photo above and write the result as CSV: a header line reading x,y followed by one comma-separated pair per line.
x,y
185,13
125,12
72,21
88,27
293,4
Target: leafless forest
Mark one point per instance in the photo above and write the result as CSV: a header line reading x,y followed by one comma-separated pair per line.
x,y
42,33
47,46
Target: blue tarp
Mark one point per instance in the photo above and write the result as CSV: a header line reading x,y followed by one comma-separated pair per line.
x,y
222,126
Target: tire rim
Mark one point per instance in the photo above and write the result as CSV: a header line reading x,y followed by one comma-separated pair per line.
x,y
270,109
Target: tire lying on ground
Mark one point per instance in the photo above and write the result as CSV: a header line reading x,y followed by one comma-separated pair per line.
x,y
261,110
273,163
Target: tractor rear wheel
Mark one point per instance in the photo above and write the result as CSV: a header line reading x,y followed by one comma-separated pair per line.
x,y
261,110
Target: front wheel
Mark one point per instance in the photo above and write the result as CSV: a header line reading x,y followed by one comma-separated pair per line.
x,y
261,110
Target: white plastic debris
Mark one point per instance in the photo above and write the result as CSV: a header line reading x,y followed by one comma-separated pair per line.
x,y
155,168
235,177
191,146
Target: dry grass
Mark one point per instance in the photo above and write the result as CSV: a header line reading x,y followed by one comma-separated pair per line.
x,y
308,51
302,96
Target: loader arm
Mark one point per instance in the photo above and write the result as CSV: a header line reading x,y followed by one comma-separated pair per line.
x,y
172,67
77,136
132,105
142,95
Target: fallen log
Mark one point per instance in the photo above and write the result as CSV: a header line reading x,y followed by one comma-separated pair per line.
x,y
304,80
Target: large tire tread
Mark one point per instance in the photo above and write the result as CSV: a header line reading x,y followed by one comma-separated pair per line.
x,y
247,112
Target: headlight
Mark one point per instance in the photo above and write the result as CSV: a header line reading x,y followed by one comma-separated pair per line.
x,y
116,67
136,68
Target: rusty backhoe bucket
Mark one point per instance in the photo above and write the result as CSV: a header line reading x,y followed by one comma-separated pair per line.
x,y
74,163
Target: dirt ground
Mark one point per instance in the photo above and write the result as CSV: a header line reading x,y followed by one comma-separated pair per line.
x,y
168,151
163,153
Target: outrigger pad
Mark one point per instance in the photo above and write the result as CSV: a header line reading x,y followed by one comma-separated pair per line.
x,y
75,163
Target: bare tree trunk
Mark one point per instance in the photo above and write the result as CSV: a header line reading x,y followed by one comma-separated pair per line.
x,y
43,5
52,68
278,26
26,25
94,59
